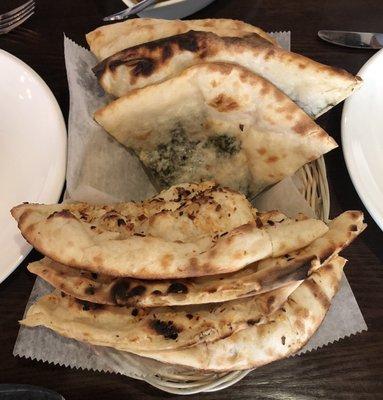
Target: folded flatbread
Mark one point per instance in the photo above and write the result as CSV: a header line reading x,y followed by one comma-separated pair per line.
x,y
109,39
133,329
187,231
286,331
314,87
215,121
257,278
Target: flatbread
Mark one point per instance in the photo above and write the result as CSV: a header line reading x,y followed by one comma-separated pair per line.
x,y
187,231
215,121
286,332
109,39
133,329
313,86
257,278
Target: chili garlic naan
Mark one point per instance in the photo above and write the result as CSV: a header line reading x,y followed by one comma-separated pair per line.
x,y
186,231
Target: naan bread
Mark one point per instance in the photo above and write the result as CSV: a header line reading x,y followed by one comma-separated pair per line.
x,y
133,329
109,39
257,278
186,231
314,87
216,121
286,332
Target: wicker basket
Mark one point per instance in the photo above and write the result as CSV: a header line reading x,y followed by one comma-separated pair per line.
x,y
314,188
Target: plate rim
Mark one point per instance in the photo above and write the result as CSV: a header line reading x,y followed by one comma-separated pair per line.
x,y
346,146
160,5
62,135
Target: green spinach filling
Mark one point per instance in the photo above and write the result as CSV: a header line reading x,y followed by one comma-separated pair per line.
x,y
167,160
224,145
169,157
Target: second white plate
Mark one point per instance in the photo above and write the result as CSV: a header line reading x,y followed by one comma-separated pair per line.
x,y
362,137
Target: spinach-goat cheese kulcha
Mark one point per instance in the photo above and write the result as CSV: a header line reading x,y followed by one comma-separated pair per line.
x,y
215,121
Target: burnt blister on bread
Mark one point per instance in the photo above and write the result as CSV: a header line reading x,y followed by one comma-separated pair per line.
x,y
63,214
165,328
89,306
177,287
121,292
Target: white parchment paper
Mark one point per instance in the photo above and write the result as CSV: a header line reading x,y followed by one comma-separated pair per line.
x,y
101,170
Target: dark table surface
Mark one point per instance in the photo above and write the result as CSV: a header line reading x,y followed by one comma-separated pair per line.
x,y
349,369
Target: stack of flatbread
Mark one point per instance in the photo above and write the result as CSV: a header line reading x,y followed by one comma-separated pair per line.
x,y
194,276
213,99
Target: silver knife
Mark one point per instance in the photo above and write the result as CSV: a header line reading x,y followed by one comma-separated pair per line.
x,y
129,11
359,40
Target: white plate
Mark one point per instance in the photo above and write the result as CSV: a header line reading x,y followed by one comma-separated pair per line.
x,y
172,9
32,151
362,137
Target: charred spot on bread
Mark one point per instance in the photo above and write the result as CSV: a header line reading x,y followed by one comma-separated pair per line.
x,y
121,291
63,214
177,287
252,322
90,290
88,306
165,328
135,312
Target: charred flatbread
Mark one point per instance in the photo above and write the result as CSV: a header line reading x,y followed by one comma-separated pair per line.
x,y
260,277
313,86
109,39
132,329
286,331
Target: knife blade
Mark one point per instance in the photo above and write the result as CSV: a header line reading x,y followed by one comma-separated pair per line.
x,y
359,40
